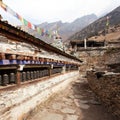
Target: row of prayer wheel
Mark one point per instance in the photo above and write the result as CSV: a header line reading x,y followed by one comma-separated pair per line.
x,y
10,78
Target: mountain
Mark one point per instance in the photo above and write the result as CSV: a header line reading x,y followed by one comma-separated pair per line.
x,y
67,29
99,25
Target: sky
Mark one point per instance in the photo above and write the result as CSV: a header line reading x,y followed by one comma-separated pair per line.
x,y
39,11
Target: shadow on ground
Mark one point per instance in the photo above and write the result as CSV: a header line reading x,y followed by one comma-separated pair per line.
x,y
88,104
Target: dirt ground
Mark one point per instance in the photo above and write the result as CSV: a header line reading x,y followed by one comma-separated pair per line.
x,y
77,102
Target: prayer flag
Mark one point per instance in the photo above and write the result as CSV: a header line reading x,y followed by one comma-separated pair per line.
x,y
50,35
33,26
29,25
107,22
11,11
25,22
41,31
4,6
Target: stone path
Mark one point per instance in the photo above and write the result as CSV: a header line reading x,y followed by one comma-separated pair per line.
x,y
77,102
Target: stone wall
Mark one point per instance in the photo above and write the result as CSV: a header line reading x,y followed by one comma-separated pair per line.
x,y
100,58
107,88
112,59
91,57
16,103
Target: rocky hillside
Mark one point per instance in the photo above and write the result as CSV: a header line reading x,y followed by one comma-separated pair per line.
x,y
67,29
99,25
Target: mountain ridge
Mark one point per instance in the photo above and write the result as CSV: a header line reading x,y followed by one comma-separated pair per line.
x,y
66,29
94,28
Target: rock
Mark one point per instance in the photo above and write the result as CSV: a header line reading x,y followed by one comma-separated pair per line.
x,y
71,96
76,103
57,106
78,96
72,117
94,102
68,100
68,110
81,104
50,116
83,101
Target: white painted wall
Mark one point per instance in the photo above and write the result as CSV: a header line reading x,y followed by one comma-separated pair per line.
x,y
15,104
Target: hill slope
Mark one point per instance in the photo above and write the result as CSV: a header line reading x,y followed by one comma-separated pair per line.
x,y
99,25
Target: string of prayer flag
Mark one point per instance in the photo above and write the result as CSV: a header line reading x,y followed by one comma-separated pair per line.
x,y
41,31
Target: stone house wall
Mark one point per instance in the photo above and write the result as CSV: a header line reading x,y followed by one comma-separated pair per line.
x,y
91,58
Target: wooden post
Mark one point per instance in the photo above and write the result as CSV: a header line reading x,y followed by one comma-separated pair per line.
x,y
49,71
18,74
63,69
85,44
2,56
18,82
0,2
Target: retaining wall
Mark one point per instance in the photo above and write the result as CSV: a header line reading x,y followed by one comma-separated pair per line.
x,y
107,88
